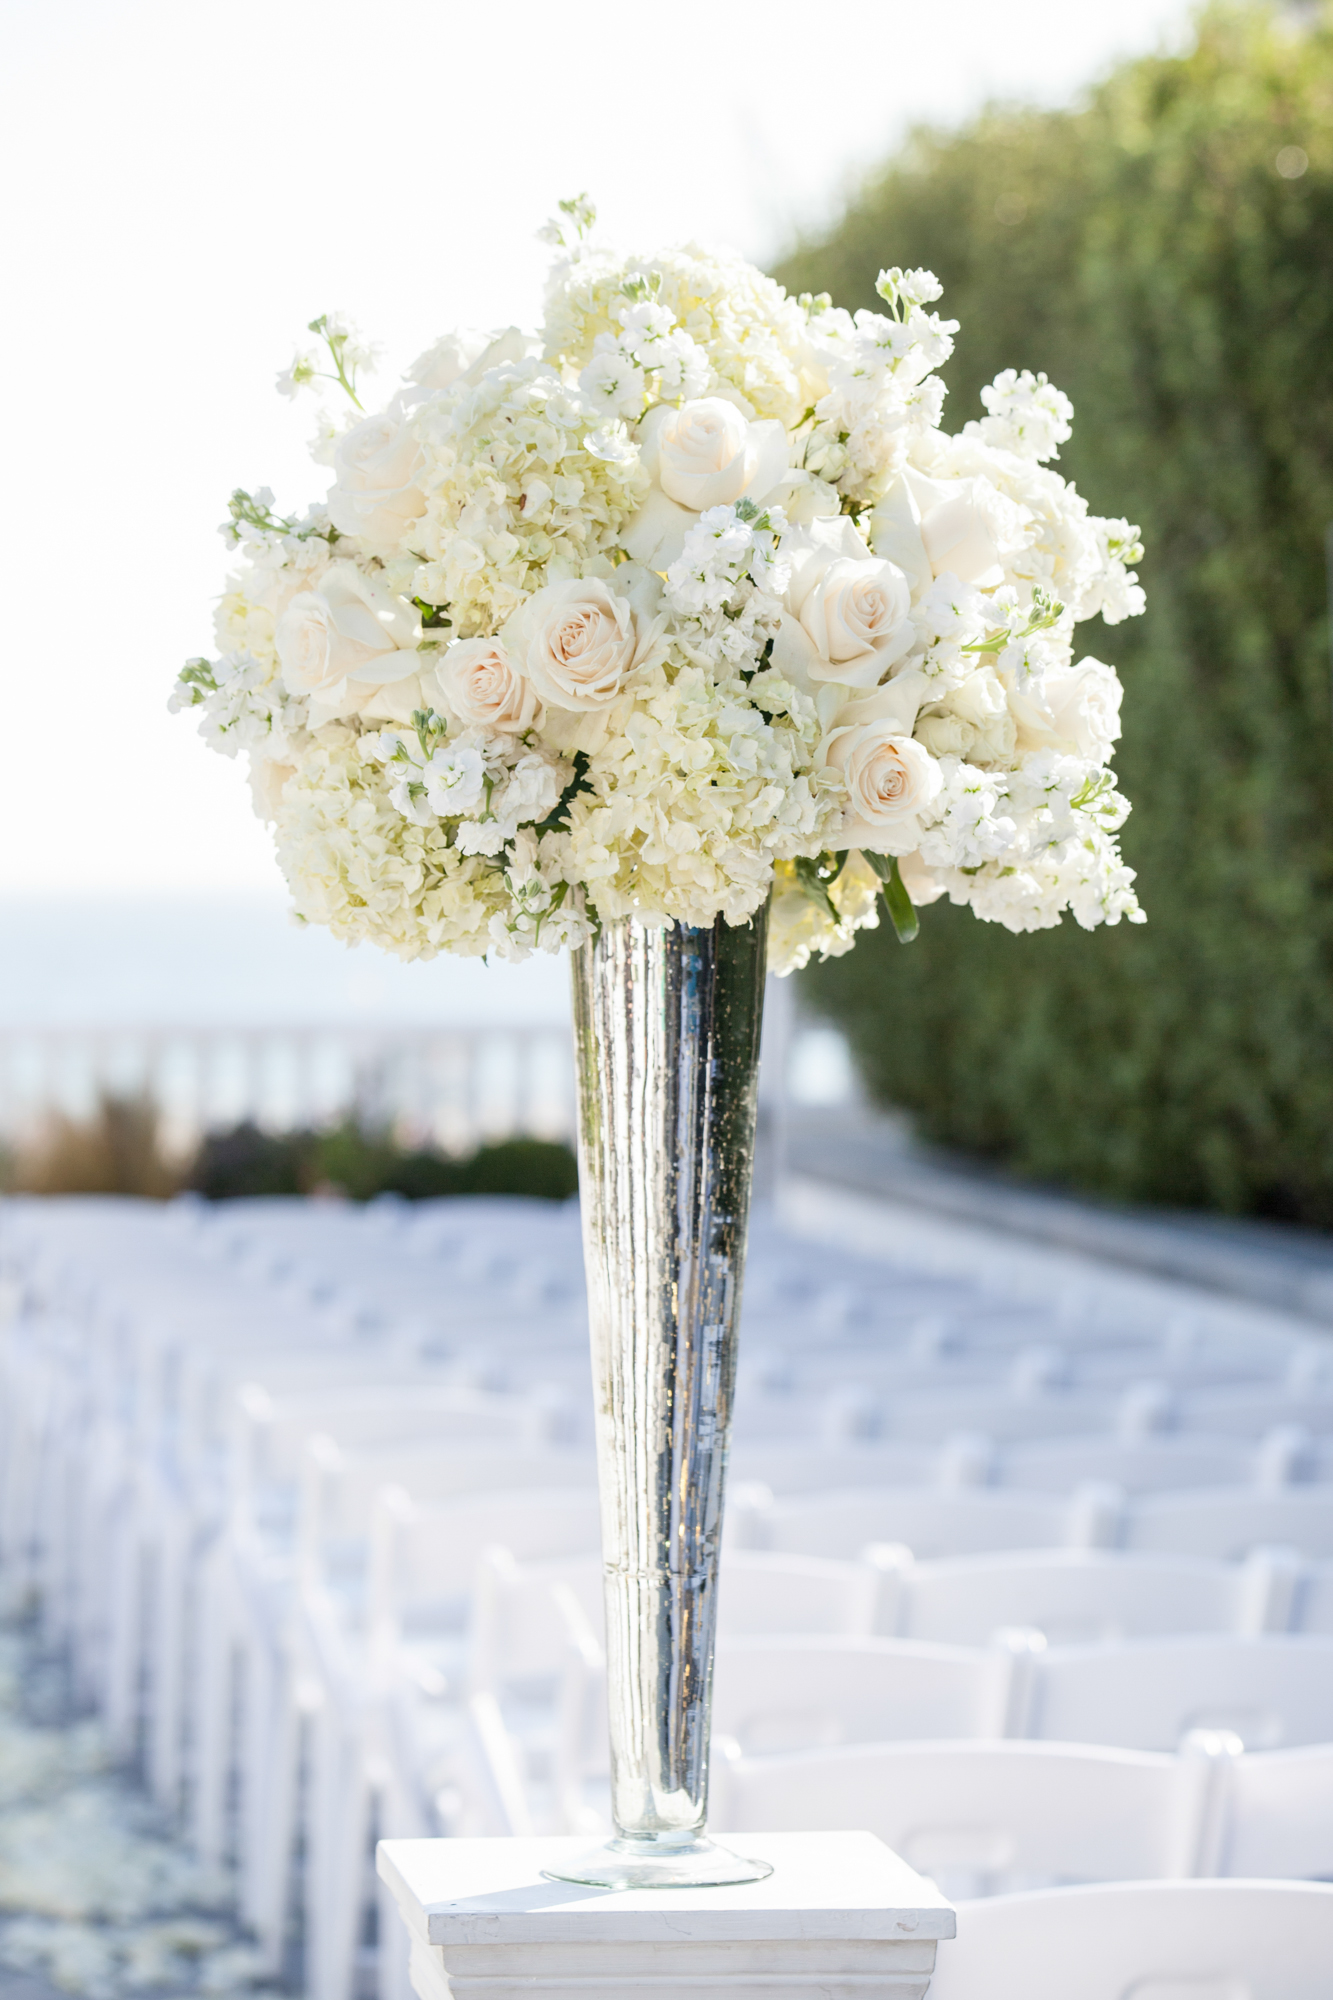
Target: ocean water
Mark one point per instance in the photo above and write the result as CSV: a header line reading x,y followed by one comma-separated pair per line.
x,y
240,961
223,1008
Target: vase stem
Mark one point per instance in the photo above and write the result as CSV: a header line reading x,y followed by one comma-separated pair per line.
x,y
667,1027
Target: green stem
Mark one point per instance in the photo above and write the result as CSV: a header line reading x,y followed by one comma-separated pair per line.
x,y
901,909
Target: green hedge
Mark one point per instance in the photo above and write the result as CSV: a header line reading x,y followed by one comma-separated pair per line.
x,y
361,1165
1148,253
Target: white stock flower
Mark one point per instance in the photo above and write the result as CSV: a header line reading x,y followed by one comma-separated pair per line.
x,y
909,288
532,791
577,641
1115,590
302,372
527,793
1025,414
704,454
614,381
483,689
721,550
649,333
454,776
376,495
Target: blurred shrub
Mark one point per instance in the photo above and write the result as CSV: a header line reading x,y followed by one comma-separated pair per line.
x,y
1166,254
350,1161
246,1161
115,1151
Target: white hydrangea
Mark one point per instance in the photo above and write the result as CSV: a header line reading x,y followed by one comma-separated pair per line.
x,y
801,927
752,336
514,495
355,864
829,599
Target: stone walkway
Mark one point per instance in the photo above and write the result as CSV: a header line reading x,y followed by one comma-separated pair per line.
x,y
1268,1263
97,1896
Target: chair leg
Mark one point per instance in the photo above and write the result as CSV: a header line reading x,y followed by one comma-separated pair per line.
x,y
339,1833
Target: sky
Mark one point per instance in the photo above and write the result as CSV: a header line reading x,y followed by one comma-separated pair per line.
x,y
188,185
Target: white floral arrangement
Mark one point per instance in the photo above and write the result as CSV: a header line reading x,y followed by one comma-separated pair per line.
x,y
685,602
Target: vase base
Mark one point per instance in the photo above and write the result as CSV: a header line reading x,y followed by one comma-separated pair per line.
x,y
624,1863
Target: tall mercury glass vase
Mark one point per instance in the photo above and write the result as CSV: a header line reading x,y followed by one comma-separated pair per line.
x,y
667,1038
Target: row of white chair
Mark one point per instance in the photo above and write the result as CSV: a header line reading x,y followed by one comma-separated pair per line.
x,y
324,1247
1071,1596
260,1561
777,1696
1222,1522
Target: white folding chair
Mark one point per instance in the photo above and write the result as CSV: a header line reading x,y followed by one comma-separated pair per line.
x,y
930,1523
248,1577
423,1563
1147,1694
1135,1465
1143,1941
1246,1413
1280,1813
518,1632
981,1817
808,1465
796,1694
1077,1596
1230,1521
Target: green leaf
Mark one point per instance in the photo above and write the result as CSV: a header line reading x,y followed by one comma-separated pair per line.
x,y
555,819
901,909
810,875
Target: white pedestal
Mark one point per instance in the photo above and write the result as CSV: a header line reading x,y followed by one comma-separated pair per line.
x,y
840,1918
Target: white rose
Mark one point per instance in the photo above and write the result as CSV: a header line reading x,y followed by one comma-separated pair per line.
x,y
706,453
973,722
918,881
890,779
375,495
957,537
347,641
849,619
945,734
465,356
268,782
384,701
959,527
483,689
1085,705
1078,709
577,640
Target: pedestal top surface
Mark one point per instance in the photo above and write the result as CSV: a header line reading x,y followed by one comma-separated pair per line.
x,y
823,1885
